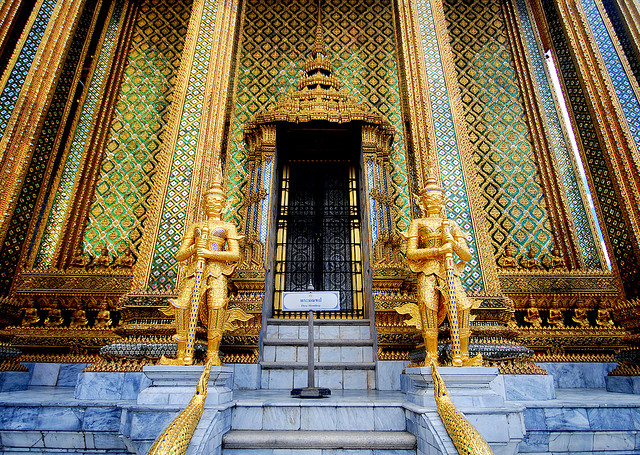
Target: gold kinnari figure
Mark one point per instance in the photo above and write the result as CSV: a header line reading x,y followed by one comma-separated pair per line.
x,y
30,317
432,241
508,260
209,253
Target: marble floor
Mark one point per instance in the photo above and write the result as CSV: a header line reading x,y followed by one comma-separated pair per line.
x,y
589,398
64,396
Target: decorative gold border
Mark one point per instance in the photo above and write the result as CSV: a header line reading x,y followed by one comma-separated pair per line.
x,y
630,11
20,45
415,80
9,9
227,26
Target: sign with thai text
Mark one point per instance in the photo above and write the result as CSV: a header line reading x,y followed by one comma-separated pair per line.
x,y
311,301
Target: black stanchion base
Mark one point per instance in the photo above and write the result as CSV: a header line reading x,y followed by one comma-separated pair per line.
x,y
311,392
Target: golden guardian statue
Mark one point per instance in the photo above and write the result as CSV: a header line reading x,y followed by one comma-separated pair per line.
x,y
432,242
208,254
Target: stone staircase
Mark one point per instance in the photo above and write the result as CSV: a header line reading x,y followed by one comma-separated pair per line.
x,y
344,354
360,423
583,421
355,419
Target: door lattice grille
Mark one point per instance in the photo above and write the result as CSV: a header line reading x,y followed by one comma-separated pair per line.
x,y
319,236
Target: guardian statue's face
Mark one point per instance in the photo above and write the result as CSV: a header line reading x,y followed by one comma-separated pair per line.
x,y
432,201
213,204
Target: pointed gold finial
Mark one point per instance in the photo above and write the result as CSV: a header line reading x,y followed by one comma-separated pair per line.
x,y
216,186
319,95
319,48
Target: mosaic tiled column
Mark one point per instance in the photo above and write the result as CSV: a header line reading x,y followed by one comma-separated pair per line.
x,y
630,11
375,159
261,145
30,199
574,222
193,140
27,87
625,85
438,131
615,136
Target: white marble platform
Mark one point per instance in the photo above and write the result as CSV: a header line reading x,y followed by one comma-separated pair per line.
x,y
55,419
467,386
175,385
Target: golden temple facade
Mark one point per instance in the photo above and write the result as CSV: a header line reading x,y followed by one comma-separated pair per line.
x,y
115,113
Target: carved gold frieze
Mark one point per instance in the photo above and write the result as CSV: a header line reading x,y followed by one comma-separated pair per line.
x,y
518,366
569,324
574,357
60,337
625,370
118,365
73,281
570,282
564,301
393,354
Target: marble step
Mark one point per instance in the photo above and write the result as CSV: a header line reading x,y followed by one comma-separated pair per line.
x,y
322,354
316,342
316,321
340,376
279,330
368,411
319,365
316,442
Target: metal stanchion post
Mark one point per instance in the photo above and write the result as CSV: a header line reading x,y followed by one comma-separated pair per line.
x,y
311,391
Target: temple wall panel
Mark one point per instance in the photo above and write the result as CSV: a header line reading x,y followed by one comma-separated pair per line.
x,y
119,145
597,159
512,195
16,71
18,224
617,64
582,215
276,37
123,190
444,143
77,150
624,31
192,141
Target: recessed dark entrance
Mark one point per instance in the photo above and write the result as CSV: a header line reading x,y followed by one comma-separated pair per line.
x,y
318,222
